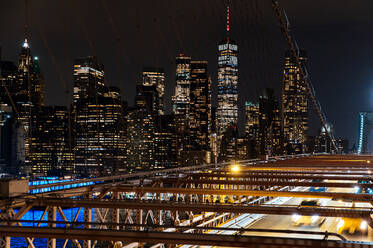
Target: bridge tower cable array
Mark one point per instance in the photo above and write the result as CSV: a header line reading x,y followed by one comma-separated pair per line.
x,y
294,49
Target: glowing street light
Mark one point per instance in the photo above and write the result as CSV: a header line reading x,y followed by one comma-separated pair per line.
x,y
235,168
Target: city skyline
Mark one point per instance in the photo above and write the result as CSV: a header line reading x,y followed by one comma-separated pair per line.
x,y
78,44
185,124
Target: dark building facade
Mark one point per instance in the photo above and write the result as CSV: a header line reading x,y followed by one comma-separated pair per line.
x,y
165,142
12,142
269,125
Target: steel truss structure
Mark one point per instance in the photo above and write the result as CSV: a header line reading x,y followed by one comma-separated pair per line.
x,y
185,206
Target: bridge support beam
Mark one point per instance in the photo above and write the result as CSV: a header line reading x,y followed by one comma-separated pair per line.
x,y
87,218
52,216
4,242
115,214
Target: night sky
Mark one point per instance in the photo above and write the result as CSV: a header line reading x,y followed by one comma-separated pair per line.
x,y
129,35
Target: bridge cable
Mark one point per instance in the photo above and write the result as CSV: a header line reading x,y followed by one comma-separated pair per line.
x,y
284,22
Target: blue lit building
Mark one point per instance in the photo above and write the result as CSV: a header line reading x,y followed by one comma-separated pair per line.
x,y
365,126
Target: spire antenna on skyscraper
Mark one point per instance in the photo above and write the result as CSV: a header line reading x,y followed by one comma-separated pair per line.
x,y
25,44
228,27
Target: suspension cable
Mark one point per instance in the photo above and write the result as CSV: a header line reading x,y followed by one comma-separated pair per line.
x,y
282,18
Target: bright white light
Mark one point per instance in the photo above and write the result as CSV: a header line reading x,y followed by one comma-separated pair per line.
x,y
295,217
235,168
25,44
363,225
340,224
36,58
314,218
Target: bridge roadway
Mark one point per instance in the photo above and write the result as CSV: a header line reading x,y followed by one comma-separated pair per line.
x,y
330,223
200,183
273,223
280,222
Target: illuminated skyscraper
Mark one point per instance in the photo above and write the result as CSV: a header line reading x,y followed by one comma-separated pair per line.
x,y
192,111
200,107
181,105
227,109
51,151
99,124
155,77
28,94
141,140
181,99
294,106
88,79
141,129
30,85
252,120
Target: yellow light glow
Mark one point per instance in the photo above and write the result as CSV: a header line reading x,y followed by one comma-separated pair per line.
x,y
235,168
368,161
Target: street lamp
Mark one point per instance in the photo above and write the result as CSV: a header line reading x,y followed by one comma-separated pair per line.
x,y
235,168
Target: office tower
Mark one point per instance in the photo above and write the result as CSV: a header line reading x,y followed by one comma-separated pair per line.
x,y
155,77
193,118
165,142
141,129
28,91
269,124
294,106
140,140
252,120
8,77
200,106
88,79
51,150
147,98
227,109
30,85
228,145
181,99
181,105
99,123
25,84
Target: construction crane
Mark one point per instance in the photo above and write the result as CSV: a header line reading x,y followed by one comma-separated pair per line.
x,y
295,51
